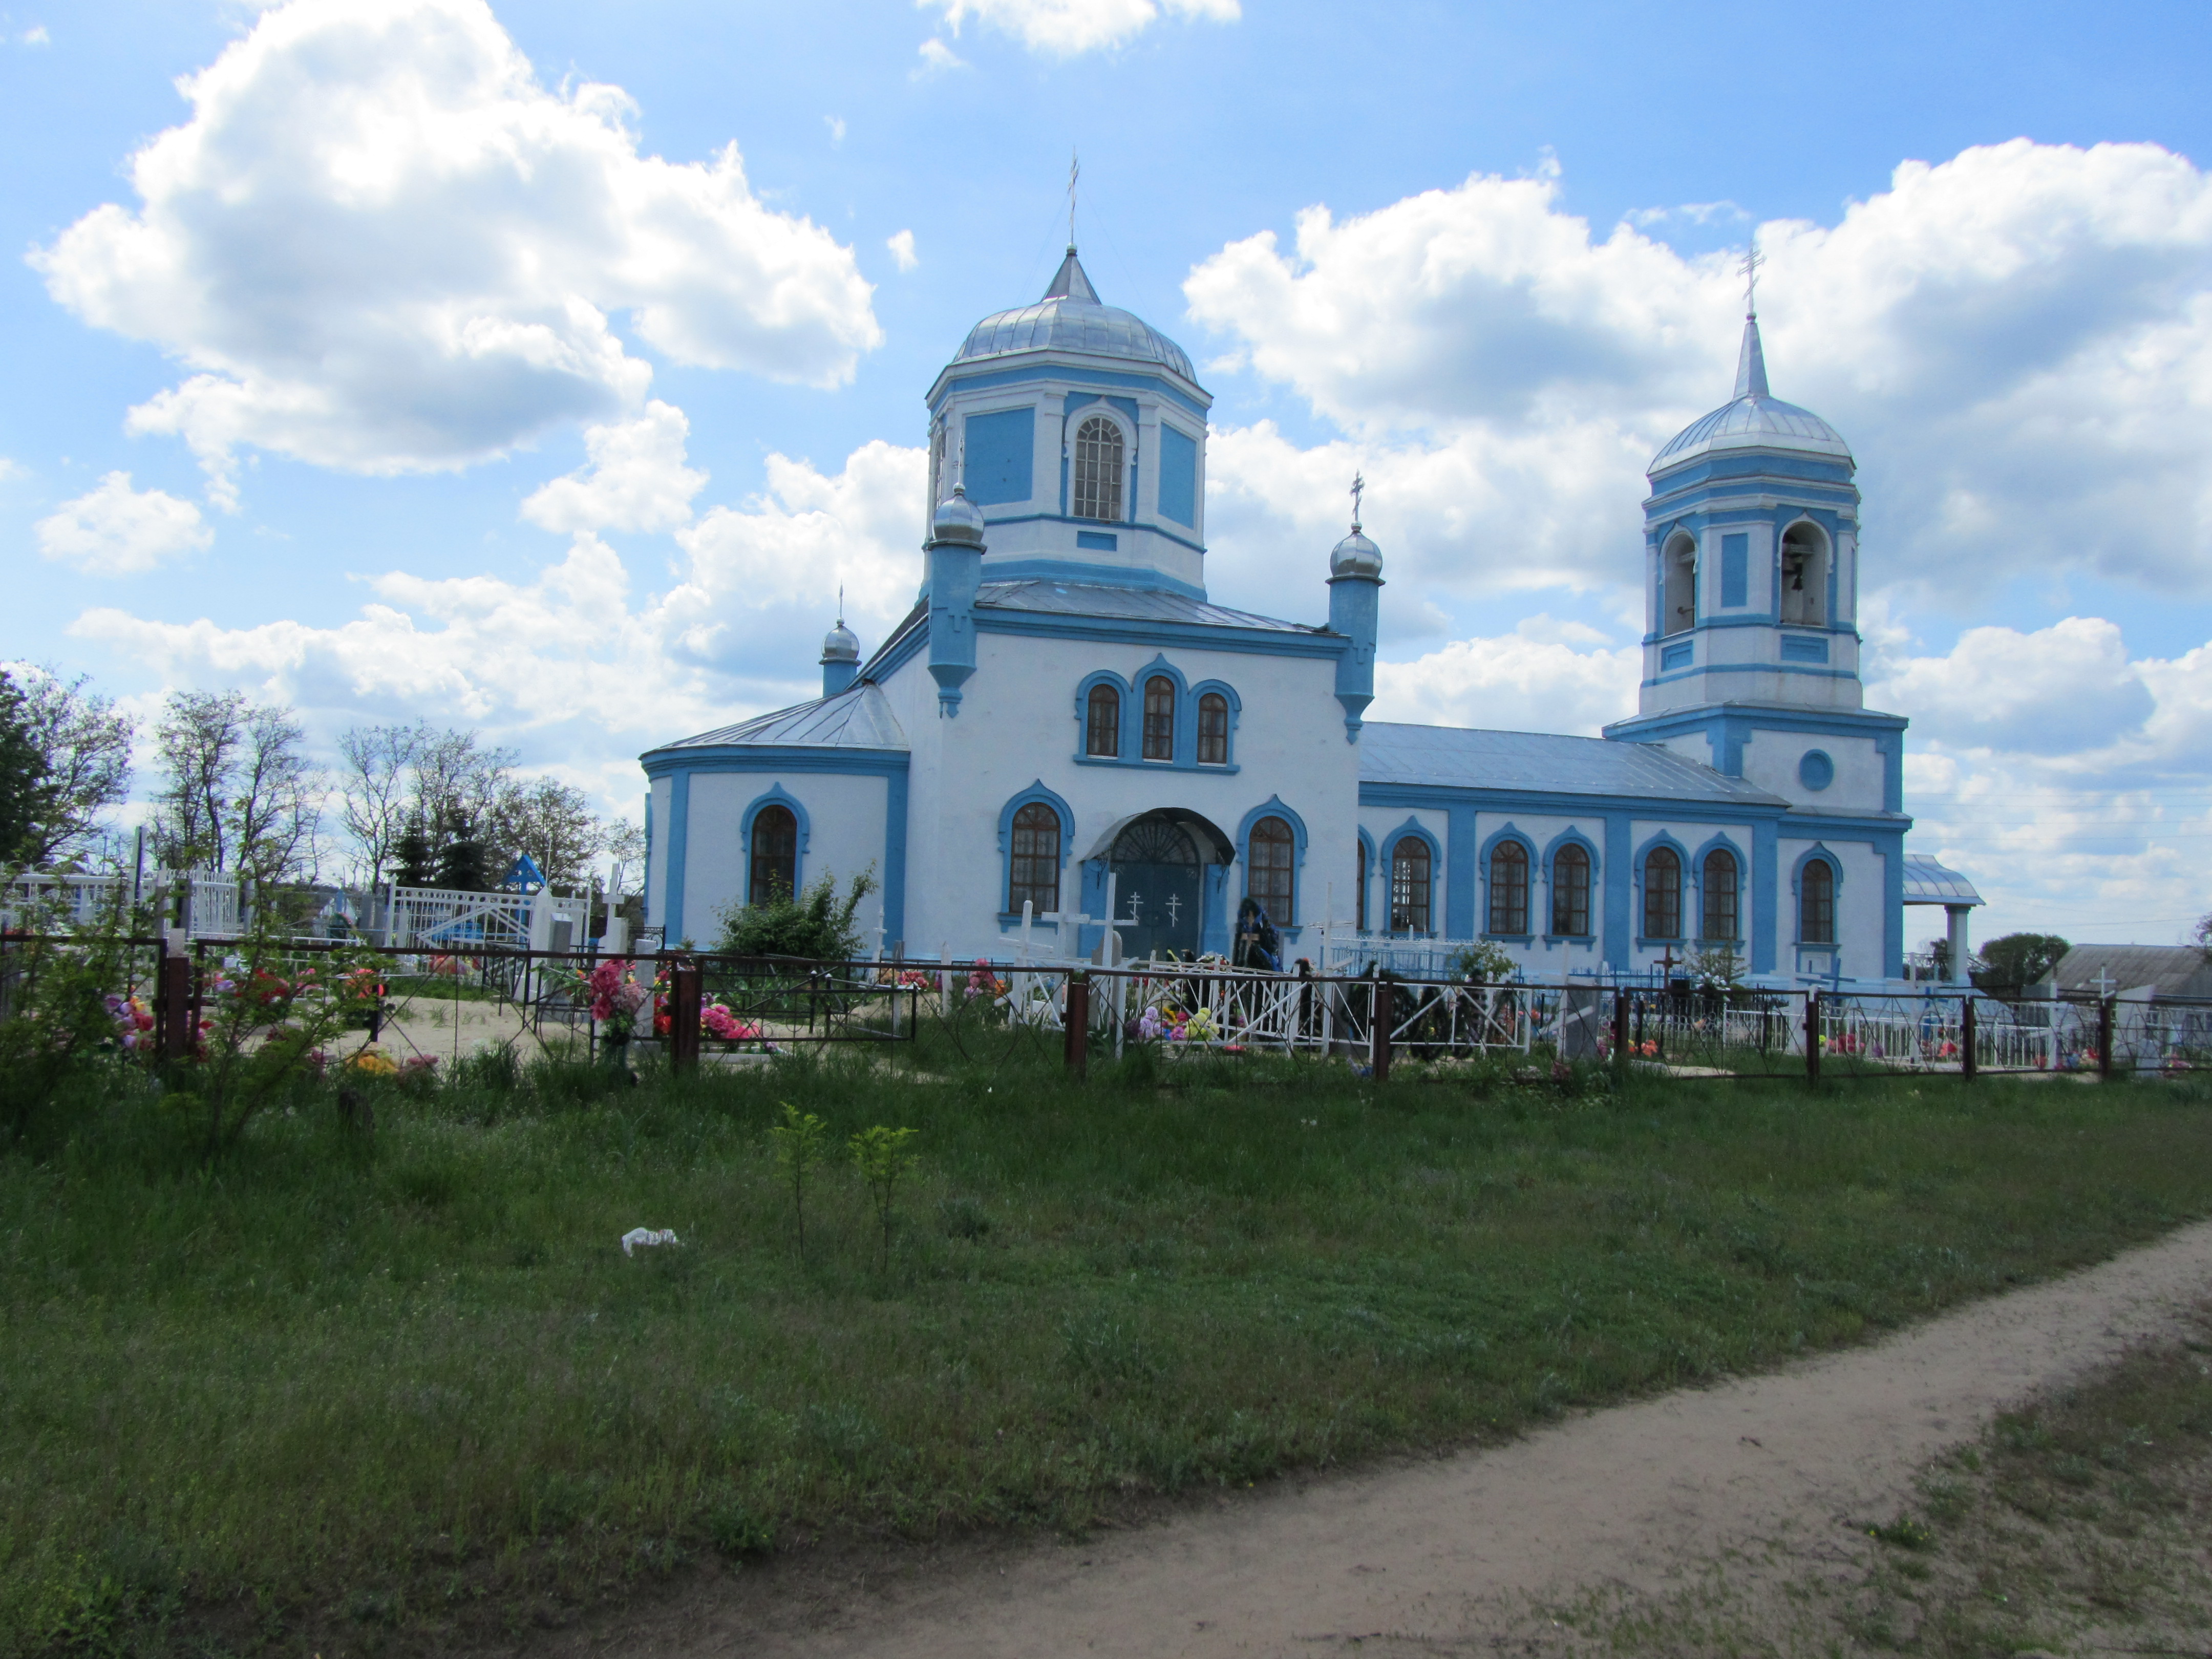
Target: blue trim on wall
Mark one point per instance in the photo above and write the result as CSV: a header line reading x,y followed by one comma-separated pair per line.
x,y
1000,450
948,381
1142,579
1197,636
1677,656
1036,792
1178,471
1099,541
1618,850
1228,694
1084,687
1818,849
775,795
894,808
1147,528
1365,879
679,836
1765,857
1735,570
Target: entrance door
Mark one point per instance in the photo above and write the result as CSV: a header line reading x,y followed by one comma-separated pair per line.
x,y
1156,872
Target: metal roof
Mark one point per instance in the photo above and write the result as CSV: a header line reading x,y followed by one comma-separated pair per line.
x,y
1070,317
1753,419
1927,882
1463,757
2174,970
1137,604
859,718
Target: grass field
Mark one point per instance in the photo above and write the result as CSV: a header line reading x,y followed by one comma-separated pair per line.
x,y
384,1394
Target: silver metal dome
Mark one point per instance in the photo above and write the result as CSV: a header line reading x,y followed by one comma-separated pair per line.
x,y
840,644
958,520
1355,556
1753,419
1070,317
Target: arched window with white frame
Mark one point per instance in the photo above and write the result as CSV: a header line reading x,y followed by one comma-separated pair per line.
x,y
1094,477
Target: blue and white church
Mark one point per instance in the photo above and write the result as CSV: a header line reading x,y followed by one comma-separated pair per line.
x,y
1064,705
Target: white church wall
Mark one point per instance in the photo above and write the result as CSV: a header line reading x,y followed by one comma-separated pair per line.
x,y
659,794
842,832
1860,909
1773,760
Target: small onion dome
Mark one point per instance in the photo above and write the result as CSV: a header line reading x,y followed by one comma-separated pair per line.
x,y
1355,556
840,644
958,520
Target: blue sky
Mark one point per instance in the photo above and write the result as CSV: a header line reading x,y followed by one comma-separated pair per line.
x,y
1482,253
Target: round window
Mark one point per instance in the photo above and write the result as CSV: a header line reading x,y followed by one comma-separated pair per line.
x,y
1816,771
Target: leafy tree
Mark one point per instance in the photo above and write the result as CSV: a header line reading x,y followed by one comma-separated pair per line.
x,y
816,925
882,1157
461,864
82,749
801,1143
553,823
411,864
23,774
2015,961
237,782
375,775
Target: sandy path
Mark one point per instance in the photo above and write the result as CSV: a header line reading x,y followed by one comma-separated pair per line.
x,y
1427,1558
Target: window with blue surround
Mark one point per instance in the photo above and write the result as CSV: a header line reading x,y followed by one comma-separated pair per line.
x,y
1735,570
1178,476
1001,456
1816,771
1156,720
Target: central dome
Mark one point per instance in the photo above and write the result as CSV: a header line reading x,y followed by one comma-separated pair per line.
x,y
1071,318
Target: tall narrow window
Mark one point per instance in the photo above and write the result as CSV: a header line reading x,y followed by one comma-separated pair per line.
x,y
1804,575
1271,875
1679,591
1213,729
1096,477
1409,885
1720,926
1159,718
1663,895
1816,903
1359,904
1509,888
1570,891
1101,722
775,855
1034,870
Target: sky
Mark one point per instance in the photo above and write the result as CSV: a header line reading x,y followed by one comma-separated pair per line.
x,y
550,368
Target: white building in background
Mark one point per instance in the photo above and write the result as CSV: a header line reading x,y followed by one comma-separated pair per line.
x,y
1064,704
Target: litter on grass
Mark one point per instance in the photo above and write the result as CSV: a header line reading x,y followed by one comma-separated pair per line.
x,y
637,1236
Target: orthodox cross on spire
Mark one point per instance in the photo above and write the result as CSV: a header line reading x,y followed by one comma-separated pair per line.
x,y
1359,488
841,605
1075,172
1748,269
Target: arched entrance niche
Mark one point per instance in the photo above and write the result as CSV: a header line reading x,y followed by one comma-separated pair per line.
x,y
1172,875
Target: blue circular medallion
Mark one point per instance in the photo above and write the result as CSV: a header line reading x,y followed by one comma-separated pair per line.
x,y
1816,771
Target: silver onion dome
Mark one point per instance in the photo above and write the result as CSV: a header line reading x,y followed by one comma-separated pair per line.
x,y
958,520
1355,556
840,644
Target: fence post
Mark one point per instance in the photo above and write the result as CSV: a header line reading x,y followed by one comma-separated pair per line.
x,y
176,1006
1076,1025
1966,1039
683,998
1620,1028
2104,1041
1381,1012
1813,1037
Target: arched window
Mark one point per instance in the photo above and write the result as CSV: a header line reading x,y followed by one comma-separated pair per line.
x,y
1359,888
1816,903
1033,873
1409,885
1509,888
1679,599
1096,477
1720,898
1804,575
1663,895
1271,877
1101,722
1213,729
1159,718
775,855
1570,891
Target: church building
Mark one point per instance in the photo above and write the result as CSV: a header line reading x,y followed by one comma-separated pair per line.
x,y
1064,704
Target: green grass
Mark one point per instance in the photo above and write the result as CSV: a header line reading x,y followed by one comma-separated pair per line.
x,y
376,1393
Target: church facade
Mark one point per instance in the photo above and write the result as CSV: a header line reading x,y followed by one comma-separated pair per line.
x,y
1064,705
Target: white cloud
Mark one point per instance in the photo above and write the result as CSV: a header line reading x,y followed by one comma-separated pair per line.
x,y
2017,342
36,35
636,479
382,245
837,125
1533,679
937,57
115,529
1061,28
576,663
11,469
901,243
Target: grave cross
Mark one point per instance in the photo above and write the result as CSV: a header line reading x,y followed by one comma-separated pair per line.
x,y
2105,982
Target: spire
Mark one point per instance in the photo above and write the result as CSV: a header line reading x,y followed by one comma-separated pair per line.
x,y
1070,283
1751,366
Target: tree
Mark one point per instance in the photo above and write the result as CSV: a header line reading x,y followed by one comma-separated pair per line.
x,y
276,798
2203,937
457,785
553,823
2018,960
23,774
197,741
82,749
239,792
375,779
411,865
461,864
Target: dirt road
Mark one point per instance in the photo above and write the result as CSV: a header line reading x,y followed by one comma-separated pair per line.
x,y
1444,1557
